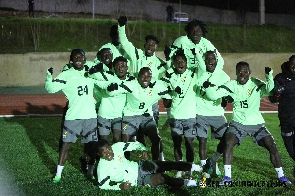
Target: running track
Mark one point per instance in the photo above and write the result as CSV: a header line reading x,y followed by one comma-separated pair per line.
x,y
52,104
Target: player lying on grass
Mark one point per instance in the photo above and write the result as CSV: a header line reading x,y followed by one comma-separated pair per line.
x,y
246,92
115,172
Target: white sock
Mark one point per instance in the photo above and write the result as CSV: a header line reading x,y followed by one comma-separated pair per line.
x,y
196,167
203,162
90,169
161,156
280,172
190,182
84,156
227,170
59,170
216,156
168,110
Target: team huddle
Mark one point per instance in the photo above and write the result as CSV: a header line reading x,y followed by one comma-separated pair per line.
x,y
117,95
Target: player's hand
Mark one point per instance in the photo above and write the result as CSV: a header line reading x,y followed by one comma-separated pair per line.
x,y
96,68
86,67
206,84
122,20
125,185
223,102
50,70
228,99
146,114
167,52
278,90
178,90
144,155
112,87
267,70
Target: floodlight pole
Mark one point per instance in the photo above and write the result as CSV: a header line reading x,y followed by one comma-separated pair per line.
x,y
179,21
180,5
92,8
262,11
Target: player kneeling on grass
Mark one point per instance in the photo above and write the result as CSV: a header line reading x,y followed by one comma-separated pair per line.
x,y
247,119
115,172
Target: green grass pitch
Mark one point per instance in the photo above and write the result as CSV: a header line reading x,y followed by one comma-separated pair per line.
x,y
29,147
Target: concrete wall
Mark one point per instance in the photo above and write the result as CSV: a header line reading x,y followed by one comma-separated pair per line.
x,y
147,9
29,69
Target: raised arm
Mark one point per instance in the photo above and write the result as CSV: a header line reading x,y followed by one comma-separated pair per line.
x,y
53,86
269,86
128,47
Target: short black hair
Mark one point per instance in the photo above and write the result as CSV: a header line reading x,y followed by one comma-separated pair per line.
x,y
119,58
114,31
210,51
102,50
179,52
241,63
75,51
101,143
144,69
194,23
152,37
291,57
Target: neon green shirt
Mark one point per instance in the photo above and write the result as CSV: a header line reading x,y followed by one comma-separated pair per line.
x,y
246,98
119,169
205,106
139,59
98,92
140,100
183,104
201,48
112,106
77,89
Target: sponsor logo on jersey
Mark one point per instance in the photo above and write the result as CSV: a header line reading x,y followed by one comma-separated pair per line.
x,y
65,134
149,64
120,158
200,51
150,92
125,127
249,91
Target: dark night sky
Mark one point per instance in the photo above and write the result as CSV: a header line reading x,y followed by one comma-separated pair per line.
x,y
271,6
